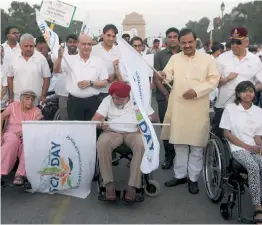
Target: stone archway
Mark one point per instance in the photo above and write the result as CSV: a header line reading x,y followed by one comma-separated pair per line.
x,y
135,23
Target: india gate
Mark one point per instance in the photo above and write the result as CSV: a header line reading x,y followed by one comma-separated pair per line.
x,y
135,23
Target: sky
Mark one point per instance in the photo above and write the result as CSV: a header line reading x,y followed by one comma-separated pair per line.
x,y
158,14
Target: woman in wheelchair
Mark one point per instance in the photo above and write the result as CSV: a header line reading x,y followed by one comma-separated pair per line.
x,y
242,124
118,109
12,139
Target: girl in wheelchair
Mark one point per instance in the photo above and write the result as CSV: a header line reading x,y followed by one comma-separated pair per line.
x,y
242,124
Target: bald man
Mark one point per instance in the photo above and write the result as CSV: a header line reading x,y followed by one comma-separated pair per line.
x,y
85,75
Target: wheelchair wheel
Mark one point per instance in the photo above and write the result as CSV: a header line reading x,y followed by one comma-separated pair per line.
x,y
214,170
57,115
152,189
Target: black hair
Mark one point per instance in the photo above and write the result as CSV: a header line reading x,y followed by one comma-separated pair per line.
x,y
136,39
242,87
71,36
185,32
172,29
221,47
215,47
110,27
40,40
7,30
228,45
156,41
125,36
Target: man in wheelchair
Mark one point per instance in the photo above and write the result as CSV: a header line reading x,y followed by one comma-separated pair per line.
x,y
117,108
242,124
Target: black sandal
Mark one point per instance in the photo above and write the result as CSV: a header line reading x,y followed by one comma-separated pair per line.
x,y
258,220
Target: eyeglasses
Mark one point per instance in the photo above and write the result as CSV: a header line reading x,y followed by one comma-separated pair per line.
x,y
237,42
137,46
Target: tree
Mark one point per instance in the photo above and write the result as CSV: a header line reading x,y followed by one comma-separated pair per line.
x,y
22,15
247,15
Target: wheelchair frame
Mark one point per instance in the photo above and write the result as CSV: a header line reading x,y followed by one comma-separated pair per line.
x,y
149,186
229,173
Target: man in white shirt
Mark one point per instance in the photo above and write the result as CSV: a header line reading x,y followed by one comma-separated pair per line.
x,y
235,66
85,75
109,53
60,86
117,108
28,70
11,46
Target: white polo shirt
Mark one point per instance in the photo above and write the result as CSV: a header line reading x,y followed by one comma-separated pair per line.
x,y
108,57
10,52
92,70
246,69
244,124
28,74
126,115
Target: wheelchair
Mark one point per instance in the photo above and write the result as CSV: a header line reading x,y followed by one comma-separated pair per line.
x,y
51,110
149,187
221,171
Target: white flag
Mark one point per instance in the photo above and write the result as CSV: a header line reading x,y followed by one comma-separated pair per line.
x,y
85,27
60,156
50,36
210,26
137,70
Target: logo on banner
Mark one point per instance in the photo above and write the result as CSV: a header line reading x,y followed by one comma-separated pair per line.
x,y
59,170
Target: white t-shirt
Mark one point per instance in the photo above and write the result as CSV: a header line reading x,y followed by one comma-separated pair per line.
x,y
3,84
244,124
108,58
92,70
126,115
28,75
246,69
10,52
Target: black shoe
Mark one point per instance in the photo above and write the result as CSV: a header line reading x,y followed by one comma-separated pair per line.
x,y
193,187
174,182
168,163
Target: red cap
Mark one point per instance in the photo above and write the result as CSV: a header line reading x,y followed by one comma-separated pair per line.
x,y
239,33
120,89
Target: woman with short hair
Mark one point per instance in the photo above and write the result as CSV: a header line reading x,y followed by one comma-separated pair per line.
x,y
12,138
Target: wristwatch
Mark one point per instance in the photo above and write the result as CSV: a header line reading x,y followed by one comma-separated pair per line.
x,y
91,83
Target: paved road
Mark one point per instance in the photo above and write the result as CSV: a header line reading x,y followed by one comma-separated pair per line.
x,y
174,205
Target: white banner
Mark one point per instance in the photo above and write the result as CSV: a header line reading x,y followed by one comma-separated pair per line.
x,y
150,60
50,36
85,29
60,156
137,68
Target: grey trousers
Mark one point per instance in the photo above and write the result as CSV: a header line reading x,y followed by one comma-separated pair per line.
x,y
63,107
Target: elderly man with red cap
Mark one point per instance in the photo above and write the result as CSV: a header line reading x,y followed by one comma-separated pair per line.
x,y
235,66
117,108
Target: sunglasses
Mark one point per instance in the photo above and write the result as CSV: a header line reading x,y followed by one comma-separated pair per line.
x,y
237,42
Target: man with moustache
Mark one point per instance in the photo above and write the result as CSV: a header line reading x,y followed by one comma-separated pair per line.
x,y
194,75
162,90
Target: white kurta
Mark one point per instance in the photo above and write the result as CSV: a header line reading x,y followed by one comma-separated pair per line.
x,y
189,119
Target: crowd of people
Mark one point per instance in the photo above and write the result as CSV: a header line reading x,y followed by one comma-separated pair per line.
x,y
92,84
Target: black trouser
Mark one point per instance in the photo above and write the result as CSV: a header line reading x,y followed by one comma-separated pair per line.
x,y
82,108
169,148
217,118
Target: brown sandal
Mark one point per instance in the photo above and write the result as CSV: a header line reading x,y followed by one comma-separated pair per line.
x,y
130,195
19,180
